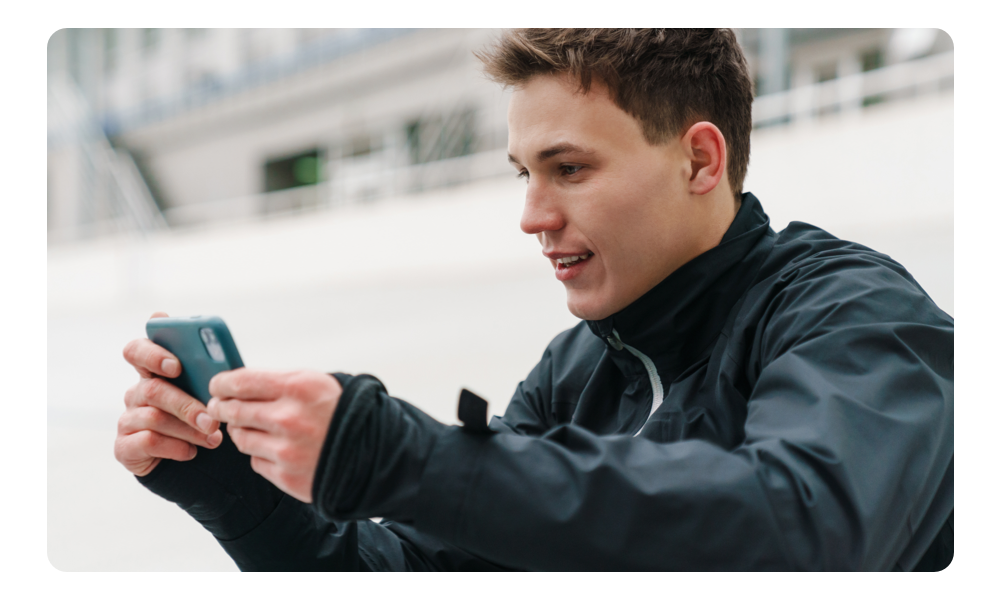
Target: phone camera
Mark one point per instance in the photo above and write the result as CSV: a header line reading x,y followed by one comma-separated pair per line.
x,y
212,344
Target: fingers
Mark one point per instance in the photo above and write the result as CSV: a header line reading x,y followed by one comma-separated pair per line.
x,y
150,359
154,419
242,413
163,395
248,383
256,443
140,452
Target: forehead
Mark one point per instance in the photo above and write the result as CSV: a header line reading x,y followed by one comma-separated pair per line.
x,y
551,109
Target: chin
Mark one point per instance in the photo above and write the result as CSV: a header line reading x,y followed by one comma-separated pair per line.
x,y
586,308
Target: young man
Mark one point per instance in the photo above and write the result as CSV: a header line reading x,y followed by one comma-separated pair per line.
x,y
733,399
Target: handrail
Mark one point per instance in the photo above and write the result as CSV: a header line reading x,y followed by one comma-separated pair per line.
x,y
850,92
112,193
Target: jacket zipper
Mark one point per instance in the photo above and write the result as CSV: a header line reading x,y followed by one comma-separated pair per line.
x,y
654,377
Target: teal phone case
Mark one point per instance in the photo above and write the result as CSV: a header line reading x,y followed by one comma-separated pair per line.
x,y
202,344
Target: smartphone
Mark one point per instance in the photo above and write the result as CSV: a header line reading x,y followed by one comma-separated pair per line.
x,y
203,345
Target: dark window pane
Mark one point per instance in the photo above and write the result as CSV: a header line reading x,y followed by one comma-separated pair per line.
x,y
292,171
872,59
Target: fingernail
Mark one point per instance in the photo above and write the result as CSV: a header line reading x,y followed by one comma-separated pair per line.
x,y
193,452
215,439
170,366
204,422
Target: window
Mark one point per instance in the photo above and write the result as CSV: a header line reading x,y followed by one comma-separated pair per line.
x,y
292,171
440,137
870,60
827,99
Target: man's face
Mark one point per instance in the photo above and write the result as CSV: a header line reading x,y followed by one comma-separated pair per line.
x,y
597,189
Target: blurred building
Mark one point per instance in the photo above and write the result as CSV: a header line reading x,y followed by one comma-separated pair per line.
x,y
165,128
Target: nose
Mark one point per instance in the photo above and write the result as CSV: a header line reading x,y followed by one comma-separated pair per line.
x,y
541,211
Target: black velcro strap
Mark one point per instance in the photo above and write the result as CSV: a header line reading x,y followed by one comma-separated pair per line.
x,y
472,412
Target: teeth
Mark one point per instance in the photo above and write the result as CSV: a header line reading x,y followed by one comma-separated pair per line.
x,y
569,260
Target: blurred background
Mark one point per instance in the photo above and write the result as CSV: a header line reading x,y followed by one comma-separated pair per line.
x,y
342,199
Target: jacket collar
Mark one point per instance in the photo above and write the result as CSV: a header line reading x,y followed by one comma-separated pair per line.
x,y
676,321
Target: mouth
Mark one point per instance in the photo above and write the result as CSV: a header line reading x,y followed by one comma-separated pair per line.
x,y
569,261
570,266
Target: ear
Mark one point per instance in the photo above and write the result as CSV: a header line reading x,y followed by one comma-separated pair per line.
x,y
706,149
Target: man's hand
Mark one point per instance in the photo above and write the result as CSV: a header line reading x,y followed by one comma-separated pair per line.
x,y
280,419
159,421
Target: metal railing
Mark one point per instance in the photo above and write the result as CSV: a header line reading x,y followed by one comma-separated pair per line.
x,y
346,187
111,195
391,171
856,91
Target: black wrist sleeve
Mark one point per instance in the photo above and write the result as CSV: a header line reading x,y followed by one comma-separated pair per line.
x,y
218,488
374,454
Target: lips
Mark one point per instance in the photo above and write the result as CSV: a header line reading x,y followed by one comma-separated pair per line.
x,y
564,255
569,266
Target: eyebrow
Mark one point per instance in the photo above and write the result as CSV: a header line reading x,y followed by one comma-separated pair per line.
x,y
544,155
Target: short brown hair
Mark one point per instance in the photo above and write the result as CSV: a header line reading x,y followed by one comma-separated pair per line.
x,y
667,79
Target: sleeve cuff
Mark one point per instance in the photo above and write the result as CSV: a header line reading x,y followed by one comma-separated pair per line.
x,y
374,454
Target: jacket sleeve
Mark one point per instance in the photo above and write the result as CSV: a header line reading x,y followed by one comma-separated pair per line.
x,y
264,529
848,435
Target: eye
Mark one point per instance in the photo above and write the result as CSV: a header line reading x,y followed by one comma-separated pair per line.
x,y
522,174
570,169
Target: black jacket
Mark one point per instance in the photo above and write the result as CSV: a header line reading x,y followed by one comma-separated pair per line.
x,y
779,402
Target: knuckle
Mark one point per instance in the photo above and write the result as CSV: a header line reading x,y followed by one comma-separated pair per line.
x,y
300,384
123,422
287,453
153,388
155,418
238,387
286,420
127,454
189,412
282,453
145,440
156,441
313,430
129,353
130,395
120,449
236,411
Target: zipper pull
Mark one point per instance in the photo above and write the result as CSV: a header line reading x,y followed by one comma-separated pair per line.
x,y
615,341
